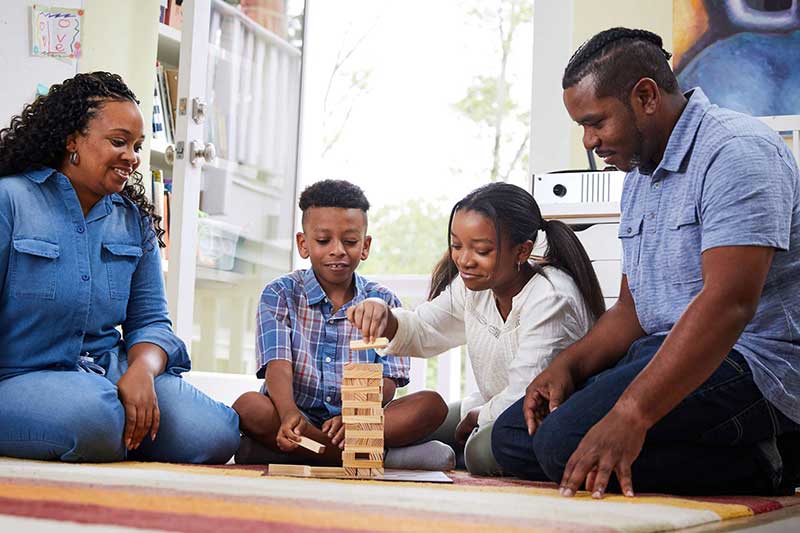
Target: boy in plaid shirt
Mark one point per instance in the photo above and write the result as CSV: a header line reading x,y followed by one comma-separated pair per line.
x,y
303,341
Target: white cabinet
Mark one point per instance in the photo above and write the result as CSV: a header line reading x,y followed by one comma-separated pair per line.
x,y
596,227
231,218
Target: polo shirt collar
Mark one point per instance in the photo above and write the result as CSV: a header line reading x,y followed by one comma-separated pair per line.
x,y
315,293
682,136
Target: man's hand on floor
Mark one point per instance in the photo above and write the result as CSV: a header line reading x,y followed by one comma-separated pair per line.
x,y
611,446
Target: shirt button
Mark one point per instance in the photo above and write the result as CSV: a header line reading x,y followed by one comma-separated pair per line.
x,y
657,185
327,359
628,230
79,229
85,277
327,398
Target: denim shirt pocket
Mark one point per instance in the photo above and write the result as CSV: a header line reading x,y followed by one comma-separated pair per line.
x,y
630,234
121,260
683,246
34,269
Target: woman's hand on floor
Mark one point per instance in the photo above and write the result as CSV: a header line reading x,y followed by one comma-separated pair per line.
x,y
545,393
138,396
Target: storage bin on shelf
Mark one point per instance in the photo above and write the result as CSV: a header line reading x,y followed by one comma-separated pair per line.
x,y
217,242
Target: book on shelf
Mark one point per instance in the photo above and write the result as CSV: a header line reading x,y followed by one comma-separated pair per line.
x,y
171,75
173,15
166,103
162,14
159,141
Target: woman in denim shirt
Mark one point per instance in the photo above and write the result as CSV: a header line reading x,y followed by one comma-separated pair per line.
x,y
79,256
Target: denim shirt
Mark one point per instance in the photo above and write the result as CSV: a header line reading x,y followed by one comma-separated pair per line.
x,y
725,179
69,281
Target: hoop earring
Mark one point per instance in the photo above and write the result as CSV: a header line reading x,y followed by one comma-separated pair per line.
x,y
73,158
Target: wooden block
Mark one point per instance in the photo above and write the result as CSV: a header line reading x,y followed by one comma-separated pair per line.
x,y
366,427
373,444
364,448
362,404
349,471
312,445
361,411
289,470
364,464
307,471
354,389
326,471
359,399
360,344
363,370
357,433
369,460
362,419
374,385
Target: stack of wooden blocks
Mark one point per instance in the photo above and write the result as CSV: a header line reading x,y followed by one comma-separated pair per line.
x,y
362,416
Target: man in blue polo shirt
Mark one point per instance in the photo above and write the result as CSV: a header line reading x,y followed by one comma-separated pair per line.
x,y
690,383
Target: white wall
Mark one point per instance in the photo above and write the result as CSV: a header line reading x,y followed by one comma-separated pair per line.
x,y
21,71
121,36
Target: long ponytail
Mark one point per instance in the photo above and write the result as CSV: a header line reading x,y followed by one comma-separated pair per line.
x,y
565,251
516,214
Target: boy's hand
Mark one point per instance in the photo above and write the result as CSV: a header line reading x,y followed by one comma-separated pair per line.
x,y
370,317
292,427
334,428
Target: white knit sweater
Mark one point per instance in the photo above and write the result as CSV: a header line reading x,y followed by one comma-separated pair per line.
x,y
546,316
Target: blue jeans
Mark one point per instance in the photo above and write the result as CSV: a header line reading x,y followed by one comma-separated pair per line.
x,y
723,438
76,416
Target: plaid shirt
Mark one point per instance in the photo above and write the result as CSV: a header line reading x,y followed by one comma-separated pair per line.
x,y
294,323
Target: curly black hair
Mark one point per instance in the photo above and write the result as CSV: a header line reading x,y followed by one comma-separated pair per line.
x,y
333,193
37,137
618,58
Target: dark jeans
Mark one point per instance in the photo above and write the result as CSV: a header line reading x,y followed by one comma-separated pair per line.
x,y
724,438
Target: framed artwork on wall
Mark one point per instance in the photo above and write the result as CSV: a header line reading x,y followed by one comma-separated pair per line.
x,y
745,54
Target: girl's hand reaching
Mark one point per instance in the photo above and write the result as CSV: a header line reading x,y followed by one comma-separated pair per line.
x,y
373,318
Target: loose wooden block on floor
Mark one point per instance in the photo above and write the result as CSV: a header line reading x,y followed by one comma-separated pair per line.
x,y
375,474
307,471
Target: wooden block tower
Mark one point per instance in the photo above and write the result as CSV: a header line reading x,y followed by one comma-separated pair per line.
x,y
362,416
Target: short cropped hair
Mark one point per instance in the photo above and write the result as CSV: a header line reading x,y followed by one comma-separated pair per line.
x,y
333,193
618,58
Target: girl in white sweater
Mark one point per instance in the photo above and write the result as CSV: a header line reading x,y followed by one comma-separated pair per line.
x,y
515,315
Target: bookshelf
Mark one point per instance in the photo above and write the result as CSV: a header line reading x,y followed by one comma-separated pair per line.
x,y
169,44
244,230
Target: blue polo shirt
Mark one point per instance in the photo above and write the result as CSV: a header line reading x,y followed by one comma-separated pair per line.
x,y
68,281
726,179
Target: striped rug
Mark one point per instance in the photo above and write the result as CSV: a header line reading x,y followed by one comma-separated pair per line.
x,y
43,496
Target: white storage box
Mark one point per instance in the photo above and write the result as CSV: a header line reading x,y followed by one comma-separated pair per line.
x,y
216,243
